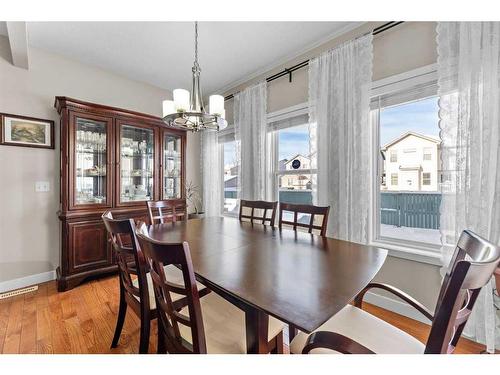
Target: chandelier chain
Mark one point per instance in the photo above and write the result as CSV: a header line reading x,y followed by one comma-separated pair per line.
x,y
196,43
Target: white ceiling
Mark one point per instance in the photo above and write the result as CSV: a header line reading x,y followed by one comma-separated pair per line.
x,y
161,53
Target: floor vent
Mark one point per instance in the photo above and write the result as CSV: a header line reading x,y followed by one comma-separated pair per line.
x,y
18,292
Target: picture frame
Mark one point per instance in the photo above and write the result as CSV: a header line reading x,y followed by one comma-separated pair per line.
x,y
24,131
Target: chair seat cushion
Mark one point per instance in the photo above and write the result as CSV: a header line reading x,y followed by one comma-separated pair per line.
x,y
224,326
368,330
174,275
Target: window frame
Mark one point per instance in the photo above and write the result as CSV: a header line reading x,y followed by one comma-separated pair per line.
x,y
424,178
227,139
273,134
404,82
429,153
394,176
289,113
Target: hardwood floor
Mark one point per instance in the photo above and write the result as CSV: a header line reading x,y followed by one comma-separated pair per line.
x,y
83,319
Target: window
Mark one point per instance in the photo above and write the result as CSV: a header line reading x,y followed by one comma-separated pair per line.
x,y
408,206
426,179
292,169
231,167
394,156
394,179
427,153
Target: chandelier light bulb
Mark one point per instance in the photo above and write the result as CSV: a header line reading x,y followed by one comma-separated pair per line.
x,y
216,104
181,100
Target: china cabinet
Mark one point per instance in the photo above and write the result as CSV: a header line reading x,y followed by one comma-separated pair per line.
x,y
111,159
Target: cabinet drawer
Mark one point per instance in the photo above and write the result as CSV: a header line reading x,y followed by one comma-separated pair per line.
x,y
88,246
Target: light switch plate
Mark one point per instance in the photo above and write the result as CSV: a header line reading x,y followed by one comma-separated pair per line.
x,y
42,186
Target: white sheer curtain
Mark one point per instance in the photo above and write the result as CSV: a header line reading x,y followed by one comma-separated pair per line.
x,y
469,89
211,171
250,110
339,106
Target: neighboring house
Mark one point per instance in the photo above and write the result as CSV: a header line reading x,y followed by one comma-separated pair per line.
x,y
295,181
411,163
231,170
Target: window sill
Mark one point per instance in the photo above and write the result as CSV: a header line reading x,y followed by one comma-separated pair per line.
x,y
404,252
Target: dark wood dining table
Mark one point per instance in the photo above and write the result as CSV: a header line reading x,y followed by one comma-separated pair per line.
x,y
299,278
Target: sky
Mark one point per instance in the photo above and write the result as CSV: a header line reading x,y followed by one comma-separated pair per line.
x,y
420,116
293,141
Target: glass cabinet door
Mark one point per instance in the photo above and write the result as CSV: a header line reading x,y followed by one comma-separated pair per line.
x,y
136,163
172,166
90,161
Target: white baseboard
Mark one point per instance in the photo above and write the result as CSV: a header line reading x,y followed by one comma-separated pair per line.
x,y
23,282
396,306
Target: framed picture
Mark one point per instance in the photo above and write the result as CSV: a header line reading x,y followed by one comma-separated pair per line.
x,y
26,131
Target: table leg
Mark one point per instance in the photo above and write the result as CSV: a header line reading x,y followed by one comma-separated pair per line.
x,y
257,323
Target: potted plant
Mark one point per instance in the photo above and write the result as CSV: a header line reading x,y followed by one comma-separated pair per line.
x,y
193,199
497,280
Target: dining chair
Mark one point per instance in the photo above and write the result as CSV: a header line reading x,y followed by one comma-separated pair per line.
x,y
171,210
258,211
313,218
136,288
209,325
355,331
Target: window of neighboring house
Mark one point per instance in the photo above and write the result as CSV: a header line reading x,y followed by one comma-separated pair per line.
x,y
394,156
230,163
426,178
394,179
427,153
407,216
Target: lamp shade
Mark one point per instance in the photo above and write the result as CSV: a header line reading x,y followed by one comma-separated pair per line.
x,y
168,107
181,100
216,103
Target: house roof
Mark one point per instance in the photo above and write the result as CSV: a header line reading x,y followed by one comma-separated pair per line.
x,y
295,157
407,134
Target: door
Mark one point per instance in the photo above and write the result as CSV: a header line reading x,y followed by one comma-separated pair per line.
x,y
88,246
172,166
90,161
136,156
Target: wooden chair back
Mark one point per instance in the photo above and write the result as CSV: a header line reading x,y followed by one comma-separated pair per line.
x,y
130,259
315,212
461,286
171,210
158,255
261,212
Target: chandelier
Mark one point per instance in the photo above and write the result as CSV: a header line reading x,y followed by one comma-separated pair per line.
x,y
186,111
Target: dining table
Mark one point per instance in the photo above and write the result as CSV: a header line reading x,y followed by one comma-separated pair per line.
x,y
297,277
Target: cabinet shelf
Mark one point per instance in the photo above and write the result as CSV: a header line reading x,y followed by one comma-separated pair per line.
x,y
90,175
137,156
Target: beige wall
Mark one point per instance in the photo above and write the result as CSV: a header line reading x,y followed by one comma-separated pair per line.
x,y
29,228
403,48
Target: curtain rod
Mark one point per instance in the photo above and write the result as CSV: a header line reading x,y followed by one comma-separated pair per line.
x,y
288,71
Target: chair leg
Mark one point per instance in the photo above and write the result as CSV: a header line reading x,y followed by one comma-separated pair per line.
x,y
292,332
122,311
145,329
161,347
278,347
